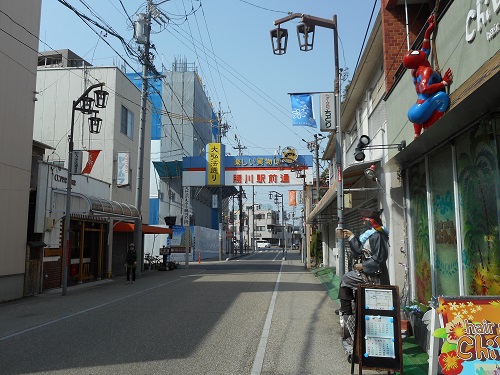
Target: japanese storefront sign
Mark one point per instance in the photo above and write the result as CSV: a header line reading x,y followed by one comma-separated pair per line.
x,y
186,203
470,328
245,170
327,112
122,177
76,164
214,164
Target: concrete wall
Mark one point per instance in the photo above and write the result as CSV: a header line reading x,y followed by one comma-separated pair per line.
x,y
18,76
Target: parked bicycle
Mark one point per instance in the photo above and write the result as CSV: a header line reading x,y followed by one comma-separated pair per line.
x,y
152,261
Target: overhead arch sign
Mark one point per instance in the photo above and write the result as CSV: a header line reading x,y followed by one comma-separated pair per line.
x,y
264,170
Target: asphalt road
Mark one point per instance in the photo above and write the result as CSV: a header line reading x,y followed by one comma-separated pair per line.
x,y
252,315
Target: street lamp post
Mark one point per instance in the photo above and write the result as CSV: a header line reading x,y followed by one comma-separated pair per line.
x,y
305,30
276,201
85,105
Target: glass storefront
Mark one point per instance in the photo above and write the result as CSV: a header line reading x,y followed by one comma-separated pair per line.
x,y
478,185
444,243
420,233
475,216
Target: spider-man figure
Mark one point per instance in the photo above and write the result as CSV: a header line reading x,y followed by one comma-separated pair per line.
x,y
432,100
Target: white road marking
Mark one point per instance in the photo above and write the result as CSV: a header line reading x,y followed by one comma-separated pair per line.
x,y
264,337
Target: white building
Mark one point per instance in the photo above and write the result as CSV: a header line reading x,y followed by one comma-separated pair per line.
x,y
261,223
59,83
20,22
102,213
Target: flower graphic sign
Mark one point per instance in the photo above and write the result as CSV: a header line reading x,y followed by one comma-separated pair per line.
x,y
470,328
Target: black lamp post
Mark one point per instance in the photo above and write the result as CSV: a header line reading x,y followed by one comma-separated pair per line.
x,y
276,201
305,42
83,104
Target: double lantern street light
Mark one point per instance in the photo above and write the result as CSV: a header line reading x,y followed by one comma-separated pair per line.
x,y
83,104
305,34
276,201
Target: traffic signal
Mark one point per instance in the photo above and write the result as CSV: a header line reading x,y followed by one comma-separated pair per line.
x,y
359,154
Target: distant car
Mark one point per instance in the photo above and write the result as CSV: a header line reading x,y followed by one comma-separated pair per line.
x,y
295,246
262,244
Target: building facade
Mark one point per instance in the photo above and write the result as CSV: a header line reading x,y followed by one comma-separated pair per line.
x,y
20,23
188,125
103,200
440,192
450,172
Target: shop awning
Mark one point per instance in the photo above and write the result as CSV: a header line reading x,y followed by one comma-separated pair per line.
x,y
85,205
146,229
326,209
326,201
106,206
167,169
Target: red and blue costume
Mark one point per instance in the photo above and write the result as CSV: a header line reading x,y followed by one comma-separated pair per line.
x,y
432,101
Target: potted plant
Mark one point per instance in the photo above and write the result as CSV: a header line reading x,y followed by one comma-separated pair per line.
x,y
415,313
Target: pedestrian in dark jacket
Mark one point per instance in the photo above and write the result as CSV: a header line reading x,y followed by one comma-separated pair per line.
x,y
376,241
131,262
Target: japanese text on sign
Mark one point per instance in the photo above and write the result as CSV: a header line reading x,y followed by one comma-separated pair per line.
x,y
261,178
214,164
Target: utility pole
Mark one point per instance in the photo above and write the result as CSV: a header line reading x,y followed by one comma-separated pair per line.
x,y
222,129
314,147
143,32
316,156
232,236
253,218
240,148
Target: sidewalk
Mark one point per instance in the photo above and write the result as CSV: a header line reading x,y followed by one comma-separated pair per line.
x,y
414,358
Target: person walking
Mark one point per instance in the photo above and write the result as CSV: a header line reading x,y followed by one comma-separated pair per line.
x,y
131,262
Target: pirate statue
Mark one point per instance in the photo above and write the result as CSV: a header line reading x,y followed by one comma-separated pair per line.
x,y
373,247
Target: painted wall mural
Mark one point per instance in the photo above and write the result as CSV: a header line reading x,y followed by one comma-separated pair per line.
x,y
444,223
419,218
479,187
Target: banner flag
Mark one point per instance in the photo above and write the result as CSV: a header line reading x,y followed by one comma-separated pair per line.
x,y
302,110
93,154
292,197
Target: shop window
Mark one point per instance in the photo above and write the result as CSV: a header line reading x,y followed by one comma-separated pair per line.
x,y
444,224
420,232
478,186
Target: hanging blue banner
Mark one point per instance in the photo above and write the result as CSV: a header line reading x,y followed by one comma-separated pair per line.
x,y
302,111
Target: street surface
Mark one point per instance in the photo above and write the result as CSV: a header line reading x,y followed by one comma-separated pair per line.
x,y
252,315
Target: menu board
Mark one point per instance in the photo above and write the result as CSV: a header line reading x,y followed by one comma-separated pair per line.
x,y
378,299
378,328
379,336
